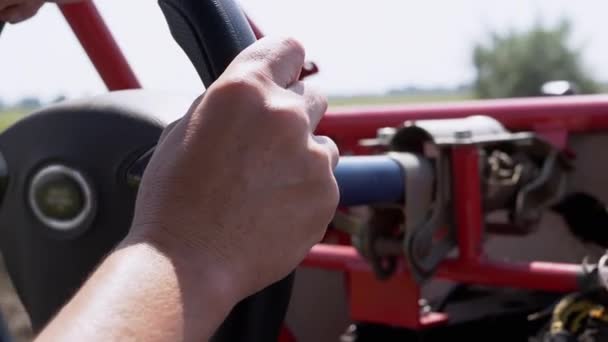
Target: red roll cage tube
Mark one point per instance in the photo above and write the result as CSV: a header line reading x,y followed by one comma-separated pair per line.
x,y
395,301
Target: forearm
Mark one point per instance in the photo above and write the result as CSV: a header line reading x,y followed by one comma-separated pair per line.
x,y
141,293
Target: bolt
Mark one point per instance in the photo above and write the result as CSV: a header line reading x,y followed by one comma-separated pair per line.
x,y
385,134
463,135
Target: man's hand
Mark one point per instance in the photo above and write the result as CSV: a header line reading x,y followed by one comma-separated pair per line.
x,y
14,11
233,198
241,181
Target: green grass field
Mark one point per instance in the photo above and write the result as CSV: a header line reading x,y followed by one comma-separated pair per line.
x,y
8,118
397,99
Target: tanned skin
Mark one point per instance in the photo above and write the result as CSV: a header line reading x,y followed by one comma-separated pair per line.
x,y
14,11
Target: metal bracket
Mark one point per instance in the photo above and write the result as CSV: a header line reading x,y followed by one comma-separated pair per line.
x,y
426,201
544,191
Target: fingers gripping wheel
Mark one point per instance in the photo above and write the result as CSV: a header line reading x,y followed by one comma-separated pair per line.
x,y
211,33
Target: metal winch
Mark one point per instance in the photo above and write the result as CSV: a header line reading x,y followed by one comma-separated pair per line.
x,y
521,174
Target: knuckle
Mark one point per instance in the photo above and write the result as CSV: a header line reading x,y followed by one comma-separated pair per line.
x,y
239,83
293,47
296,124
334,194
288,115
329,144
317,236
327,193
320,159
240,86
321,100
320,167
316,93
317,104
326,207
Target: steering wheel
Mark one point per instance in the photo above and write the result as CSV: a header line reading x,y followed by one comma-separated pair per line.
x,y
69,175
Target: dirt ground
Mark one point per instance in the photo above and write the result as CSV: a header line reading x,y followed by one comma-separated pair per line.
x,y
12,310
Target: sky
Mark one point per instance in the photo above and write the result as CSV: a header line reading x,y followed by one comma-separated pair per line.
x,y
360,46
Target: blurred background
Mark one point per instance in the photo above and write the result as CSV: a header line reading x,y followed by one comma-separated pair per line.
x,y
368,53
388,52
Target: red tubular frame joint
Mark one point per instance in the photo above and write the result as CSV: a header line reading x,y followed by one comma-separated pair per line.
x,y
546,276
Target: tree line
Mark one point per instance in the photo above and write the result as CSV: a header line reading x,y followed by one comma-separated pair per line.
x,y
519,63
29,103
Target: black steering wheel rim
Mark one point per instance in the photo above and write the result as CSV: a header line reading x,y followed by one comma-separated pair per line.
x,y
211,32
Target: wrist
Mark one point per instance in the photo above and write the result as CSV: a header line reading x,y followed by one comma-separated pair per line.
x,y
146,288
207,286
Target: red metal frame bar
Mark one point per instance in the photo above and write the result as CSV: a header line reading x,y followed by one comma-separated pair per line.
x,y
544,276
546,115
571,113
254,27
286,335
468,208
96,39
